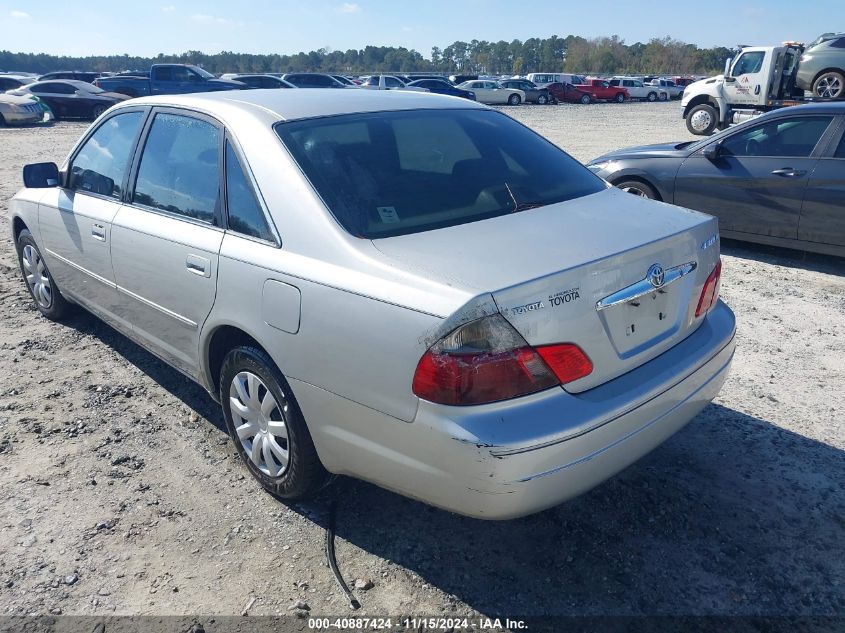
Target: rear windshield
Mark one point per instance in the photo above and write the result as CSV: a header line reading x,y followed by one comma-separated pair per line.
x,y
394,173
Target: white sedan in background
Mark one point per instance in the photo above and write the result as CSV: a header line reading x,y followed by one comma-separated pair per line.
x,y
492,92
388,82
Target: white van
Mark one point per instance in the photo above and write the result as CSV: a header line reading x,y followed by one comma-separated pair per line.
x,y
544,79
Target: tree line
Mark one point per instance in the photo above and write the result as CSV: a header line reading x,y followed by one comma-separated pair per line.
x,y
601,55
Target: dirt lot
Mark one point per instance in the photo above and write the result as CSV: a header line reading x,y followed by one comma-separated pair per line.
x,y
121,493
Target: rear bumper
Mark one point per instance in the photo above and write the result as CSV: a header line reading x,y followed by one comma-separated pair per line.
x,y
518,457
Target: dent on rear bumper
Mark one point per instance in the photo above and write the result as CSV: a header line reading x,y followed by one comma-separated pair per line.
x,y
514,458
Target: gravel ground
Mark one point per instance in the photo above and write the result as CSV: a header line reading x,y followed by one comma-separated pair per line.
x,y
121,493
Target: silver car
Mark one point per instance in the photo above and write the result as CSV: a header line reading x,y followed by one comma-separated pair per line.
x,y
410,289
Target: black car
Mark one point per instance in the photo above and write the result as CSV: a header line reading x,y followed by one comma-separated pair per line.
x,y
312,80
76,75
442,87
261,81
533,93
776,179
346,81
70,99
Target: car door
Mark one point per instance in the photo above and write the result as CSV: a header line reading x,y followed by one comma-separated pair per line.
x,y
757,182
75,220
57,95
747,78
823,212
166,238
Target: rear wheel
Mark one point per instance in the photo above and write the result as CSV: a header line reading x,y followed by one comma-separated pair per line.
x,y
514,100
652,96
39,281
637,188
620,98
702,119
586,100
663,96
829,85
97,110
267,426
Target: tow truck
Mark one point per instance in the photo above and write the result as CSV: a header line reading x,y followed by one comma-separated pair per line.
x,y
756,80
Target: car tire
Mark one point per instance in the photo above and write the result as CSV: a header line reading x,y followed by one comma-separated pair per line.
x,y
702,119
39,282
97,110
586,100
664,96
652,96
620,98
2,121
514,100
248,373
542,100
637,188
829,85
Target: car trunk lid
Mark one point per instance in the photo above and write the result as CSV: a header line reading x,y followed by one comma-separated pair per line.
x,y
578,272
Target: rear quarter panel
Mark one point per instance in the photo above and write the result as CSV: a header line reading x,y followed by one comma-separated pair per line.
x,y
358,347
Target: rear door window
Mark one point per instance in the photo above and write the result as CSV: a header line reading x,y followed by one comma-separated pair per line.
x,y
100,165
180,167
394,173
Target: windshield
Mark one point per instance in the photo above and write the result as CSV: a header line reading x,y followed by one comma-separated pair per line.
x,y
201,72
394,173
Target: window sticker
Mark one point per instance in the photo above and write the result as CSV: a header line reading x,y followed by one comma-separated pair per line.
x,y
388,215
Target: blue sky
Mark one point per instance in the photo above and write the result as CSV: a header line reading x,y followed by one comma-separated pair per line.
x,y
81,27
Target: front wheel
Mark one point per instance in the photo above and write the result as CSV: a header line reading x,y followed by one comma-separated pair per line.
x,y
620,98
514,100
586,100
702,120
663,96
39,281
652,96
267,426
542,99
637,188
829,85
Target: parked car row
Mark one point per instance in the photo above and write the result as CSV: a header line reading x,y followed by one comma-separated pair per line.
x,y
78,94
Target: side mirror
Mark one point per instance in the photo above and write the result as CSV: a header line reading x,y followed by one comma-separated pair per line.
x,y
712,152
40,175
729,79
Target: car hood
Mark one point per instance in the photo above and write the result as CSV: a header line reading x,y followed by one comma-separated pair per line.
x,y
15,99
227,82
657,150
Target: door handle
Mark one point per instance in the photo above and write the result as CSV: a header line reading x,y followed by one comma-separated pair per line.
x,y
788,172
198,265
98,231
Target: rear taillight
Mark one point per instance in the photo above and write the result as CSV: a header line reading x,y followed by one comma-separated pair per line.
x,y
710,291
487,360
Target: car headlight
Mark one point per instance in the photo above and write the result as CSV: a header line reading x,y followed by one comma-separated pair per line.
x,y
602,166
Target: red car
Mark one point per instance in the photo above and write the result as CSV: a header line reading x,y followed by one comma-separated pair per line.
x,y
567,92
601,90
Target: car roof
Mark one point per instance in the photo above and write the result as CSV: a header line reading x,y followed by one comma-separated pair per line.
x,y
822,107
274,105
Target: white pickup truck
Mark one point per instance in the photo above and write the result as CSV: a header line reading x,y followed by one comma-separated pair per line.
x,y
756,80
